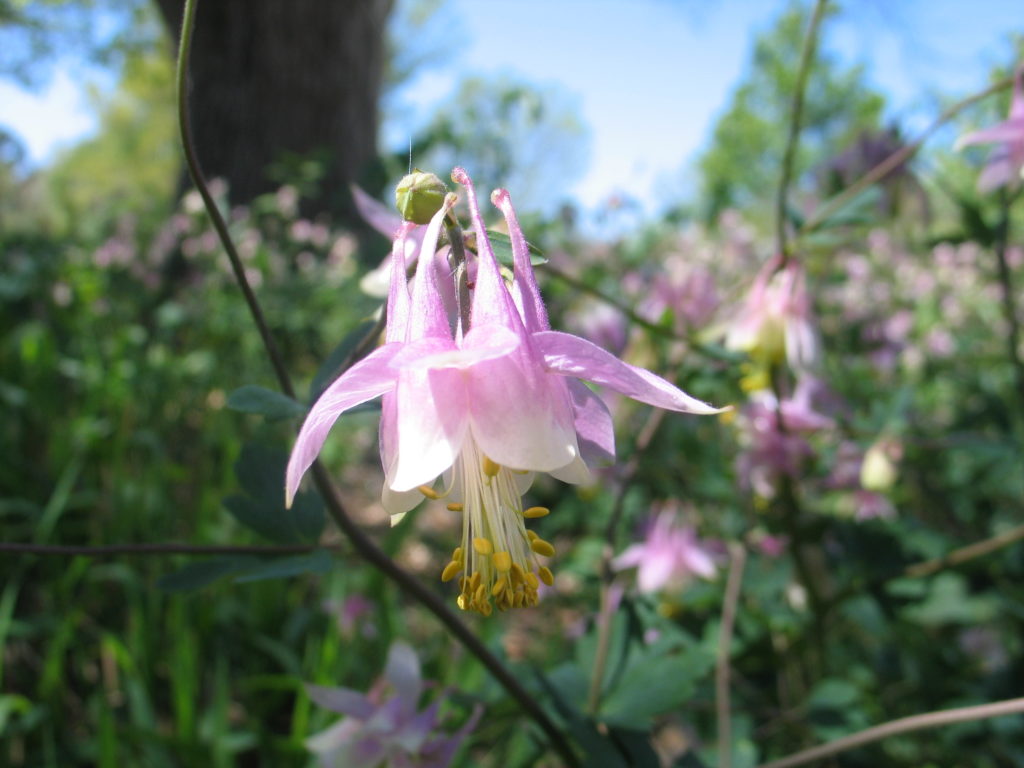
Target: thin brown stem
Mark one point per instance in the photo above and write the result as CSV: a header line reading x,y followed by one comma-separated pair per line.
x,y
362,543
796,114
962,555
897,158
896,727
199,179
114,550
723,707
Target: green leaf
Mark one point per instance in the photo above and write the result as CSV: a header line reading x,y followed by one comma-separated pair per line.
x,y
652,685
268,520
307,515
266,402
284,567
200,573
330,368
260,471
502,247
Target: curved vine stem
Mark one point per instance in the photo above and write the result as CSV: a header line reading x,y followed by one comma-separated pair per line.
x,y
796,114
897,158
896,727
362,543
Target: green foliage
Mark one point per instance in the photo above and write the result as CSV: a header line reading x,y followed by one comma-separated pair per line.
x,y
742,164
137,132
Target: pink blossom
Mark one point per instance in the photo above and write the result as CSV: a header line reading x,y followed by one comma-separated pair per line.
x,y
776,321
1005,165
669,556
385,727
771,448
486,397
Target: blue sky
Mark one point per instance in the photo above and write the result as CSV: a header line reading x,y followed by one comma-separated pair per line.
x,y
650,76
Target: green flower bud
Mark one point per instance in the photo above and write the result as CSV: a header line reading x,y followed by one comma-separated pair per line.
x,y
419,196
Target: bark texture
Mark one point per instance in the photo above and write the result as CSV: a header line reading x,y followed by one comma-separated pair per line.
x,y
273,79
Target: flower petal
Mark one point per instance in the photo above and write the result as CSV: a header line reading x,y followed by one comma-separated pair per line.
x,y
433,421
341,700
403,672
595,432
572,356
367,379
525,292
518,420
375,213
428,317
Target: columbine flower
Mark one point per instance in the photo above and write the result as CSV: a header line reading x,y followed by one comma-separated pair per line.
x,y
385,726
486,395
776,322
773,439
1006,163
669,556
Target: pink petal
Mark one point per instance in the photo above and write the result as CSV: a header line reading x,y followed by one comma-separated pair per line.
x,y
572,356
428,316
524,288
595,432
375,213
491,300
518,420
367,379
1006,132
399,301
432,422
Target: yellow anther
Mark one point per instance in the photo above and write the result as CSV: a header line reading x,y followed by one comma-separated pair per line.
x,y
491,469
542,547
451,570
533,536
536,512
455,507
481,594
517,601
485,609
429,492
532,580
545,575
502,561
457,555
518,577
498,588
461,602
483,546
474,582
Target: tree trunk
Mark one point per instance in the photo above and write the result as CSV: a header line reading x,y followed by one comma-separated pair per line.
x,y
278,80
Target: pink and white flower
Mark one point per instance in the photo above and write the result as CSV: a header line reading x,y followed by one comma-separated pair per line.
x,y
776,321
670,555
486,395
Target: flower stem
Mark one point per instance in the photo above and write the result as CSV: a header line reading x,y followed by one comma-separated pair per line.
x,y
362,543
896,727
196,172
737,559
796,114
